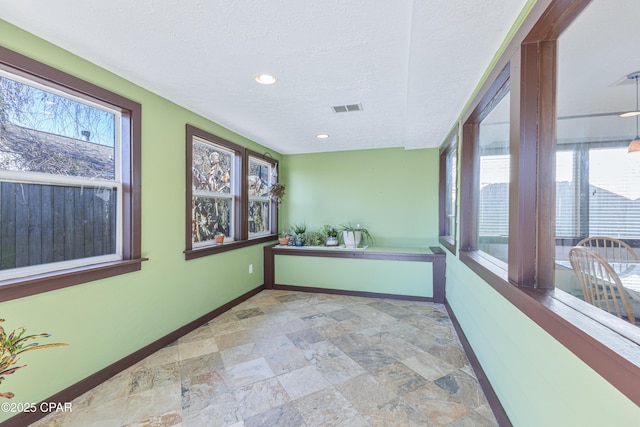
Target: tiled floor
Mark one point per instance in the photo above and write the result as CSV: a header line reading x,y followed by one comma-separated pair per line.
x,y
298,359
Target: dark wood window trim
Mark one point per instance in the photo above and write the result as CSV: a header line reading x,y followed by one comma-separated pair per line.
x,y
447,236
605,343
131,179
241,198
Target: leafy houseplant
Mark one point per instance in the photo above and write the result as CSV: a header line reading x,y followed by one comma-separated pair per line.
x,y
14,344
276,192
330,235
298,231
313,238
353,236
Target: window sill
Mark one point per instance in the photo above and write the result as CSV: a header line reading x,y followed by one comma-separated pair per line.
x,y
215,249
448,242
610,346
32,285
489,268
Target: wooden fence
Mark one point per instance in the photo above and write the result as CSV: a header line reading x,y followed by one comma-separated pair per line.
x,y
41,224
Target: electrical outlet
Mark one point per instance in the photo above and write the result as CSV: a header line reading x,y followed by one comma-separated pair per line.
x,y
250,268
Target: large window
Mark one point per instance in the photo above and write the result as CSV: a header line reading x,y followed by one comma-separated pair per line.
x,y
448,191
486,158
214,191
69,179
597,179
493,188
259,180
227,195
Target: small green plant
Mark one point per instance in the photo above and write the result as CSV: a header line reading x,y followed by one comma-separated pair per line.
x,y
14,344
313,238
329,231
366,236
299,229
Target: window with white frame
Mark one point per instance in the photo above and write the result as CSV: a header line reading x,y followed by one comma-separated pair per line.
x,y
213,181
227,193
259,181
61,201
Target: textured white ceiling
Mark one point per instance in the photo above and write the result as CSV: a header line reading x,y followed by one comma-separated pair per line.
x,y
411,64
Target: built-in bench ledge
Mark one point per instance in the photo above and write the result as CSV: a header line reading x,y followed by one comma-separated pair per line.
x,y
388,272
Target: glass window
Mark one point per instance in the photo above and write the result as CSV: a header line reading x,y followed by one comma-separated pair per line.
x,y
259,181
597,179
567,195
60,180
69,191
212,181
448,191
452,159
493,190
227,195
614,193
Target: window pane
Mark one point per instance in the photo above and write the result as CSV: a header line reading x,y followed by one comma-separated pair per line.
x,y
448,190
493,204
56,152
210,216
212,167
452,179
259,217
45,223
48,133
259,178
598,181
259,181
614,193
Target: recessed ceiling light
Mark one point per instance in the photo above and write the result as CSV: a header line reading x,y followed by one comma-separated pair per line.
x,y
322,136
265,79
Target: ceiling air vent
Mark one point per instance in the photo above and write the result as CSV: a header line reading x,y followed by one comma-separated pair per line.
x,y
347,108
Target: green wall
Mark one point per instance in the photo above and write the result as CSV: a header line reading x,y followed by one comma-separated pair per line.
x,y
392,192
538,381
106,320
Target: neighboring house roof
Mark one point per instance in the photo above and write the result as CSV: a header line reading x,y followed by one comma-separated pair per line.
x,y
23,149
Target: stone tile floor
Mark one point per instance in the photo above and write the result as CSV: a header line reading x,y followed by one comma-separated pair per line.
x,y
287,358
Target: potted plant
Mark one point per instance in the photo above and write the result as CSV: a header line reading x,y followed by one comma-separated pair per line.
x,y
284,238
298,233
276,192
312,238
353,236
330,235
12,346
219,238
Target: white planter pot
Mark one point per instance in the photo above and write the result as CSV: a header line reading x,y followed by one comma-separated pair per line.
x,y
351,238
332,241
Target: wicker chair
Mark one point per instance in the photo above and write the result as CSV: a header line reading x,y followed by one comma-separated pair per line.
x,y
601,285
614,251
